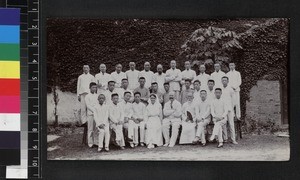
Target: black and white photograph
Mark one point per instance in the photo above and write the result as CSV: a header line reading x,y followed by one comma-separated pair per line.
x,y
168,89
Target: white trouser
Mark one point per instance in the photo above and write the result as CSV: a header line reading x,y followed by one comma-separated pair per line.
x,y
83,110
91,129
230,118
217,131
236,104
201,129
133,131
175,123
118,129
104,134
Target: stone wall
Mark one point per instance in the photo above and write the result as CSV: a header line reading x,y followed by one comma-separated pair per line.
x,y
264,105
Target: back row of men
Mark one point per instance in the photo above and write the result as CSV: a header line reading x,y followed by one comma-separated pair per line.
x,y
183,84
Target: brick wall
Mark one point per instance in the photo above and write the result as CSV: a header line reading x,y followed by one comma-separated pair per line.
x,y
264,105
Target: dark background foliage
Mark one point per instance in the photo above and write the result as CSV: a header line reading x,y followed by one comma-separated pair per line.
x,y
74,42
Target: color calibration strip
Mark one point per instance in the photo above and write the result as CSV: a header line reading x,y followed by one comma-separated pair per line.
x,y
10,86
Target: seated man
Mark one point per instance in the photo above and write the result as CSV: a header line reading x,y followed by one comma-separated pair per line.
x,y
102,123
127,107
188,121
116,117
219,111
172,114
203,117
138,120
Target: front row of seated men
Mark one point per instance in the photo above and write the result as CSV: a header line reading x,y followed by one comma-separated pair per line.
x,y
149,123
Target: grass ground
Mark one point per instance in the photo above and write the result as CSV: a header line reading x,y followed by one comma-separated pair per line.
x,y
265,147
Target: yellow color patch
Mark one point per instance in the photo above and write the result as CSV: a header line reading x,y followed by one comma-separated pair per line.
x,y
10,69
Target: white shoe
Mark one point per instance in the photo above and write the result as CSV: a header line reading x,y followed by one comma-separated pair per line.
x,y
234,142
171,145
132,145
150,146
99,149
166,145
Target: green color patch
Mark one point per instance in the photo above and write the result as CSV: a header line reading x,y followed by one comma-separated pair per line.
x,y
9,52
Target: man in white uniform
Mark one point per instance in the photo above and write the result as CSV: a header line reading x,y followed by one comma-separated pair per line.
x,y
217,76
138,121
172,113
118,75
147,74
173,77
203,77
219,114
102,123
227,96
187,74
159,77
132,76
124,88
116,117
110,90
102,78
235,82
91,101
203,117
210,90
83,89
128,112
197,85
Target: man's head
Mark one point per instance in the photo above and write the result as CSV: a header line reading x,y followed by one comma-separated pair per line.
x,y
171,96
187,65
197,84
188,83
159,69
190,96
225,81
137,97
93,87
147,66
218,93
203,95
211,84
111,85
127,96
152,98
132,66
115,98
118,68
231,66
86,69
124,83
142,81
202,68
167,87
101,98
217,67
173,64
102,68
154,86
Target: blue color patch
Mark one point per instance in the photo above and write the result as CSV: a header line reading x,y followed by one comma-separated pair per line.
x,y
9,16
9,34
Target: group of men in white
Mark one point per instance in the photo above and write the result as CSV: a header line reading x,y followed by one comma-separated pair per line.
x,y
147,109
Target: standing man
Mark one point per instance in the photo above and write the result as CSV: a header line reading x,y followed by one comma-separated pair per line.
x,y
187,74
159,77
102,78
83,84
154,90
101,114
219,114
211,90
217,75
147,74
197,85
235,82
132,76
145,93
124,88
116,116
203,117
173,76
227,96
118,75
91,101
203,77
172,113
167,92
184,93
111,90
